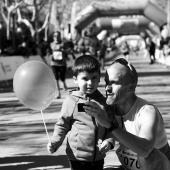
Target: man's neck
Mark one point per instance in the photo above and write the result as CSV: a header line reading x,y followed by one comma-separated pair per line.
x,y
125,107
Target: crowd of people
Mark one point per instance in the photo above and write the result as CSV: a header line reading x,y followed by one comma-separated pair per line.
x,y
88,44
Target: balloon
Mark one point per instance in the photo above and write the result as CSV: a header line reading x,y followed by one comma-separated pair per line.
x,y
34,85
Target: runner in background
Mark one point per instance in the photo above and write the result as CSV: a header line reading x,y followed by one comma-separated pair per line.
x,y
88,43
151,47
125,49
58,61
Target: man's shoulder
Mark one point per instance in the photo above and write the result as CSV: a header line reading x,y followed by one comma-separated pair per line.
x,y
143,104
149,108
149,113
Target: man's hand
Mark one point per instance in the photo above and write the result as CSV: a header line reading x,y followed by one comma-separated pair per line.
x,y
97,111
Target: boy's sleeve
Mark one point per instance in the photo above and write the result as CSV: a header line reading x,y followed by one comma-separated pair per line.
x,y
109,136
63,123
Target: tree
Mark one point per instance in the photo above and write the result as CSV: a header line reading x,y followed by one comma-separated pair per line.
x,y
7,7
37,16
33,23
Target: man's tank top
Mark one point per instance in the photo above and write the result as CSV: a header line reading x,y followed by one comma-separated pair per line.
x,y
130,122
132,125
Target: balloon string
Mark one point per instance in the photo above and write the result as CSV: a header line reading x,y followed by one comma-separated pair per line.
x,y
45,126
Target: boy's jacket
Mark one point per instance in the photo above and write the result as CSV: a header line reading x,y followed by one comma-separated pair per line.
x,y
83,132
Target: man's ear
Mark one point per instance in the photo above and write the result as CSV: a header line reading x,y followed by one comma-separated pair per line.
x,y
132,88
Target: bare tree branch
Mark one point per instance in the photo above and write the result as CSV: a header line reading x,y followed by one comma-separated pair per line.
x,y
3,13
9,10
26,22
45,22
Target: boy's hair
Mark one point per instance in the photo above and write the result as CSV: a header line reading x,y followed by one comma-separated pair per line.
x,y
86,63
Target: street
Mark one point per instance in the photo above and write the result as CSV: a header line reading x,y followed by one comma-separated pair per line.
x,y
23,139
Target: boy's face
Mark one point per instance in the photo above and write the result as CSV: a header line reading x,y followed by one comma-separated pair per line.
x,y
87,82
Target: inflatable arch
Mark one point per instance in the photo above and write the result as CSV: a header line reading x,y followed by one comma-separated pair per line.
x,y
123,25
118,8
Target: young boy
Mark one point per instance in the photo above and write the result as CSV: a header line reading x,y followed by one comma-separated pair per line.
x,y
87,141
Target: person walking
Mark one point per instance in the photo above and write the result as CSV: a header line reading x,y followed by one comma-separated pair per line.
x,y
151,47
88,43
102,53
125,49
58,61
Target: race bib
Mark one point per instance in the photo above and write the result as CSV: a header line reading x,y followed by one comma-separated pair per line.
x,y
128,158
57,55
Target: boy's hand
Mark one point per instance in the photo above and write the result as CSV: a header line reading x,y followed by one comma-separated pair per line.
x,y
105,147
51,147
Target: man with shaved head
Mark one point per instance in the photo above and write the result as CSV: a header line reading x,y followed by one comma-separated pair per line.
x,y
136,124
